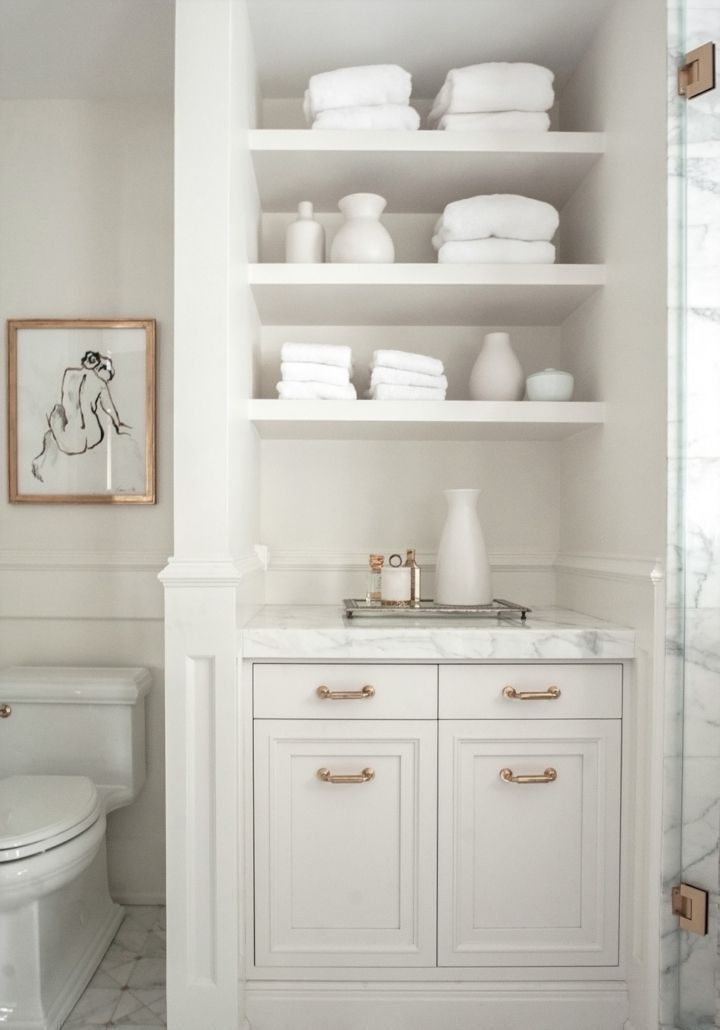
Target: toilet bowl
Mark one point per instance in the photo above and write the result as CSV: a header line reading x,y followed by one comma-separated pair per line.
x,y
71,750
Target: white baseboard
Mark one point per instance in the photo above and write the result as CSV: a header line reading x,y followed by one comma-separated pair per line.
x,y
152,898
406,1006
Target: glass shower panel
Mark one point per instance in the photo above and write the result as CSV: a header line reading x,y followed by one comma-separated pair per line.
x,y
693,680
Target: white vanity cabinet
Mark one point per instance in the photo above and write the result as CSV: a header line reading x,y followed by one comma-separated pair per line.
x,y
345,815
529,815
509,773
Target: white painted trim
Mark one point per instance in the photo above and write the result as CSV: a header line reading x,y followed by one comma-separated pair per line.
x,y
81,561
138,898
607,566
423,1006
210,572
321,561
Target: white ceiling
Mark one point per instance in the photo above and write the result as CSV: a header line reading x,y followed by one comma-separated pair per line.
x,y
86,48
296,38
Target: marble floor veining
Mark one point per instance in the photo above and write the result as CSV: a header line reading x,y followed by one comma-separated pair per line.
x,y
127,991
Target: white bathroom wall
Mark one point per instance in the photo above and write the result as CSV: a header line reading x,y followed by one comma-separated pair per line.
x,y
86,192
613,482
326,505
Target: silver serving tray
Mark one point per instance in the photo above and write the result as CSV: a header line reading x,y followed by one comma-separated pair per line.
x,y
429,609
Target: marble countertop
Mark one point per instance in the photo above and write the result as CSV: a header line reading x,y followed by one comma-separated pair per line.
x,y
323,632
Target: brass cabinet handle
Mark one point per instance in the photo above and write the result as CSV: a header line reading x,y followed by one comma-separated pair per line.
x,y
364,777
551,694
326,694
5,711
548,776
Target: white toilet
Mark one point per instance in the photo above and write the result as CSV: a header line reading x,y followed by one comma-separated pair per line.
x,y
72,749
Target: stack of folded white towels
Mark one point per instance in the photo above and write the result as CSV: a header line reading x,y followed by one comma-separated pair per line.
x,y
500,96
402,376
501,228
316,371
375,96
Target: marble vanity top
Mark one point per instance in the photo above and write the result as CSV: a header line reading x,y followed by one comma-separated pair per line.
x,y
323,632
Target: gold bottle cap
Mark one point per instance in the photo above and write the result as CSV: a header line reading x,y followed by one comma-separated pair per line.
x,y
376,561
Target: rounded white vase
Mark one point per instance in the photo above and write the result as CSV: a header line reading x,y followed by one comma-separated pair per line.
x,y
462,573
497,374
305,238
362,237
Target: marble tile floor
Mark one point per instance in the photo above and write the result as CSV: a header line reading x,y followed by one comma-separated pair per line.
x,y
127,991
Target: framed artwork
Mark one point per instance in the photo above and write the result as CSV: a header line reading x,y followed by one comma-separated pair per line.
x,y
81,411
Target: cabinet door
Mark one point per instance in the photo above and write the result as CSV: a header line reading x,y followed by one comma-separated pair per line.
x,y
529,871
345,871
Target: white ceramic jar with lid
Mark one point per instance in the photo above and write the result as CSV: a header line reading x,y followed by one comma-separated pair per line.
x,y
550,385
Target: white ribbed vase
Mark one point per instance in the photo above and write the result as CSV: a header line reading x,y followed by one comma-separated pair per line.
x,y
462,573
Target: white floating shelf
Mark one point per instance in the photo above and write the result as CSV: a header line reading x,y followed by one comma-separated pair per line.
x,y
417,171
421,294
422,420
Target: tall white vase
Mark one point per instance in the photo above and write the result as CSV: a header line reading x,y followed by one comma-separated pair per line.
x,y
497,374
362,237
462,574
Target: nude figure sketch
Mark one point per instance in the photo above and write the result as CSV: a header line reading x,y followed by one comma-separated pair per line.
x,y
75,425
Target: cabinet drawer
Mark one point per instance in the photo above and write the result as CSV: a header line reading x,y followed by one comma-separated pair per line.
x,y
516,692
390,691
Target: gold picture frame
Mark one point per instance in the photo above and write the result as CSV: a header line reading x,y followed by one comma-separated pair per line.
x,y
81,411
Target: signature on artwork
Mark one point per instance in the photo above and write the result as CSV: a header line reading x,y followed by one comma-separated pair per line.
x,y
75,425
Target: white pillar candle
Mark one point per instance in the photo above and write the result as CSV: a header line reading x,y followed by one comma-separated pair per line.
x,y
395,585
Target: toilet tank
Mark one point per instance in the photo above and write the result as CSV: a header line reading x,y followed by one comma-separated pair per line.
x,y
76,721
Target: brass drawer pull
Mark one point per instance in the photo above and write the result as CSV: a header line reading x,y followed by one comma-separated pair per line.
x,y
551,694
5,711
364,777
547,777
326,694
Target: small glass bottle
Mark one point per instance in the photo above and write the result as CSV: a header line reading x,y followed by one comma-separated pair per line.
x,y
374,594
411,564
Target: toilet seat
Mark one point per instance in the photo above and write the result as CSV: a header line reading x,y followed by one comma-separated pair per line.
x,y
38,813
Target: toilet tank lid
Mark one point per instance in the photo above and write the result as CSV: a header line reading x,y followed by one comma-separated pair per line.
x,y
74,684
38,808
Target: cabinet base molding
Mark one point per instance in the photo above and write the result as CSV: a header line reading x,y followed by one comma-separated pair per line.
x,y
406,1006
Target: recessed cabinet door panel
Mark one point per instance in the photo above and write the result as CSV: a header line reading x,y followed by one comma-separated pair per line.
x,y
529,860
345,871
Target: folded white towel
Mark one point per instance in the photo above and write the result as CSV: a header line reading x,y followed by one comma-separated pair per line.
x,y
496,121
364,86
384,116
388,392
401,377
316,391
321,353
310,372
497,86
496,252
408,361
506,215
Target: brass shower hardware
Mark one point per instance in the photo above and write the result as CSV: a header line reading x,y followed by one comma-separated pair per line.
x,y
5,711
697,75
691,905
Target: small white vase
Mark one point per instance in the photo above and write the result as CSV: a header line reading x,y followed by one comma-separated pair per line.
x,y
305,238
462,573
362,237
497,374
